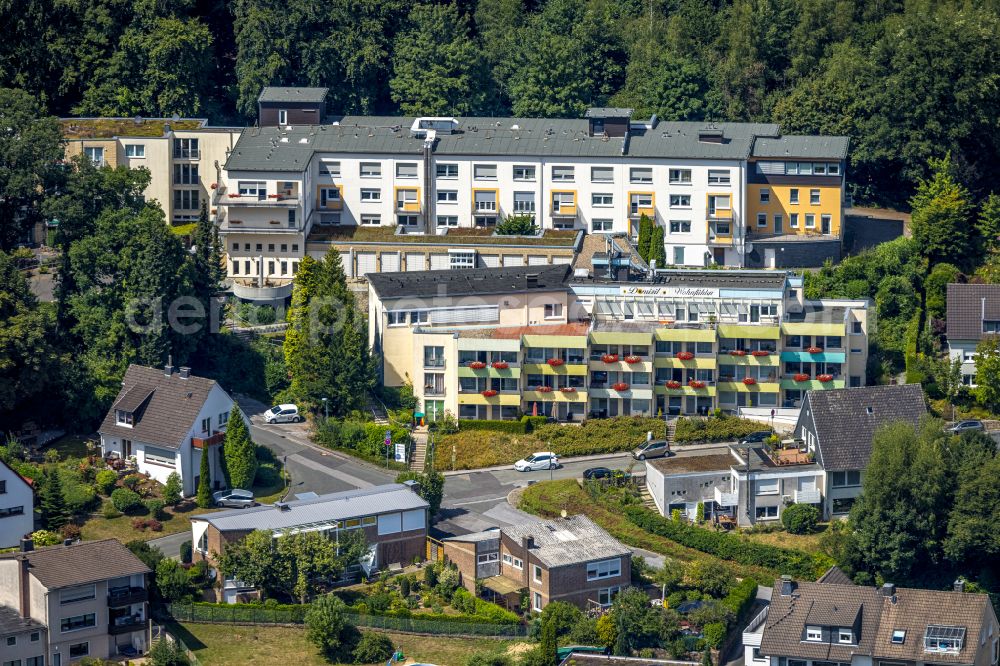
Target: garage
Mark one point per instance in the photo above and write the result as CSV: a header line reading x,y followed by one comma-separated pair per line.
x,y
390,262
366,263
416,261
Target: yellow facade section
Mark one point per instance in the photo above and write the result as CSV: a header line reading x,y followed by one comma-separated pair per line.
x,y
780,201
505,399
698,362
556,396
407,206
685,334
564,209
620,338
546,369
635,210
818,328
110,147
331,204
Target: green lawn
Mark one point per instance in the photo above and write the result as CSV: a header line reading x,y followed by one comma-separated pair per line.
x,y
230,645
809,543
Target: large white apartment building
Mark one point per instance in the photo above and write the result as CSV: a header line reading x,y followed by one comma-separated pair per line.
x,y
287,187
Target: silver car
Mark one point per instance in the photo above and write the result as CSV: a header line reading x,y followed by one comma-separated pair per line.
x,y
234,499
287,413
970,425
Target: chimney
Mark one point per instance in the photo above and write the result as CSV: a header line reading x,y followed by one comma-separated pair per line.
x,y
27,544
888,590
527,543
168,369
959,585
24,587
787,586
185,372
531,279
413,485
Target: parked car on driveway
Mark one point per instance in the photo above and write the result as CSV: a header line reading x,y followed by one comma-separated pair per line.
x,y
656,448
756,437
539,460
971,425
283,414
234,499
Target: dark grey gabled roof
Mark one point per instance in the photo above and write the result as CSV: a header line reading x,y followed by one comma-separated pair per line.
x,y
968,306
282,94
835,576
846,420
80,563
164,407
808,147
469,281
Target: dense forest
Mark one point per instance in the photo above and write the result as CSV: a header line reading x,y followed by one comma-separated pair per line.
x,y
907,81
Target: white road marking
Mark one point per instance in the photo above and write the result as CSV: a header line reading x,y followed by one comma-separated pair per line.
x,y
337,474
482,501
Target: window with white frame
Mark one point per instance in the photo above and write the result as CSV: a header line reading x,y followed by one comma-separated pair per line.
x,y
718,177
370,170
524,202
536,573
562,173
71,595
135,150
159,456
406,170
553,310
793,220
329,194
680,200
604,569
486,558
252,188
845,635
767,486
223,418
371,194
537,601
95,154
810,220
124,418
447,196
640,175
761,219
766,513
522,172
793,195
606,595
206,423
507,559
814,633
680,226
463,259
371,220
484,171
765,195
814,197
405,198
187,199
485,200
329,168
77,622
407,220
448,171
602,174
602,225
396,317
447,220
602,200
680,176
562,200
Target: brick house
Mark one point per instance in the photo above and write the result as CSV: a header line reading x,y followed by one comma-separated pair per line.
x,y
393,518
568,559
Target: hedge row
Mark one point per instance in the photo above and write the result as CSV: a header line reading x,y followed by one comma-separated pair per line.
x,y
714,429
740,598
522,426
730,547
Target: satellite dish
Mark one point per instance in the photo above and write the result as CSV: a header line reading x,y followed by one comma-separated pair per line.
x,y
563,513
748,248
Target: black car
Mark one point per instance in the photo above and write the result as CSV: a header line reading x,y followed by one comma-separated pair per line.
x,y
756,437
597,473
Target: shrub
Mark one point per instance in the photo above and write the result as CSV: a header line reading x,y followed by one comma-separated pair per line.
x,y
109,511
373,647
125,500
131,481
186,552
714,634
513,427
105,481
172,489
800,518
741,597
488,659
156,509
70,531
45,538
404,586
728,546
714,429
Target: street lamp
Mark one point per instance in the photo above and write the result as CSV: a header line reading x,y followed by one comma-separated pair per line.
x,y
326,410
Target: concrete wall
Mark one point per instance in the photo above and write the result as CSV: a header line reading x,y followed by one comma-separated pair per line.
x,y
793,253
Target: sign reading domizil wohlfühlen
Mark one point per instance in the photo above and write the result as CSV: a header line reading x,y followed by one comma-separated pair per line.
x,y
666,292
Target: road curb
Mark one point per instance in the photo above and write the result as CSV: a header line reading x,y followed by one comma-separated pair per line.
x,y
308,444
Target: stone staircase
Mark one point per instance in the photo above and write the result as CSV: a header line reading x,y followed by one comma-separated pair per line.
x,y
647,499
671,431
378,411
419,456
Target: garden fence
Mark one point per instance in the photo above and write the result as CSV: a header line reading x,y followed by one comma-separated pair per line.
x,y
251,614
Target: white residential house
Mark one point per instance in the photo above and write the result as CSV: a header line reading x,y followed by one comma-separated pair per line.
x,y
164,420
17,507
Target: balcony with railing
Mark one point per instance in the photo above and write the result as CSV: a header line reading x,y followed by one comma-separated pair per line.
x,y
126,596
124,624
755,630
726,498
808,496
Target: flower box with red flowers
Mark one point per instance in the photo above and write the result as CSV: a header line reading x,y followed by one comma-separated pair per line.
x,y
273,196
696,384
620,386
673,384
632,360
685,356
749,381
760,352
215,186
801,377
738,352
555,362
610,358
489,393
500,365
545,389
233,195
477,365
815,350
568,389
824,378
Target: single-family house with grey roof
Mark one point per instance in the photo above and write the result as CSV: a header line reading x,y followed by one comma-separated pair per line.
x,y
973,314
837,427
564,559
164,420
393,518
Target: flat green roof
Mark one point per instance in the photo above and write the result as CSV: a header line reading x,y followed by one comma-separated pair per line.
x,y
106,128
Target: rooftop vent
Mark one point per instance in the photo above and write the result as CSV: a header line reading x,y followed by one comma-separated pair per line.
x,y
710,134
888,590
787,586
282,506
436,124
185,372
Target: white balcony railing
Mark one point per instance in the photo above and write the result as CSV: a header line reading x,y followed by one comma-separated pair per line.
x,y
807,497
726,499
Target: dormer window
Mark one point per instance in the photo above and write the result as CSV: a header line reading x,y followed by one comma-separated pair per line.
x,y
845,635
124,418
814,634
940,638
